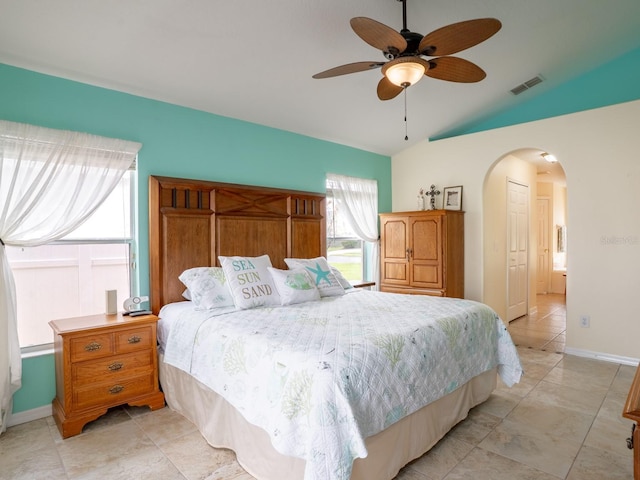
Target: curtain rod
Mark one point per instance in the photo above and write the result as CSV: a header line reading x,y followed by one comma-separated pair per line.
x,y
87,147
25,132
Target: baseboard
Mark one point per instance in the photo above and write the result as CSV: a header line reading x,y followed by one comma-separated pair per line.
x,y
607,357
29,415
533,310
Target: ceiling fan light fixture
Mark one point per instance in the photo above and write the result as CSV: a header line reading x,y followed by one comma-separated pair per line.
x,y
405,71
549,157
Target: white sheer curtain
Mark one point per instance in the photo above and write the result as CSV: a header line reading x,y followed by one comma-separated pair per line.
x,y
360,197
50,182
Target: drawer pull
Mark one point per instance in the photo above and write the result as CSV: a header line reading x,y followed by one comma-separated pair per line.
x,y
92,347
116,389
116,366
134,339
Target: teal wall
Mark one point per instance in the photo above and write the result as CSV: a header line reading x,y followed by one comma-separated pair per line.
x,y
178,142
617,81
38,383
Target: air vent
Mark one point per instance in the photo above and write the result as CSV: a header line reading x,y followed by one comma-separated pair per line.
x,y
527,85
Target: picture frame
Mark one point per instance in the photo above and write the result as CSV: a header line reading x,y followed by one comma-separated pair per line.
x,y
452,198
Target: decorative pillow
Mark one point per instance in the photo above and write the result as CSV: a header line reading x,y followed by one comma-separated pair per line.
x,y
346,284
327,283
207,287
250,281
294,286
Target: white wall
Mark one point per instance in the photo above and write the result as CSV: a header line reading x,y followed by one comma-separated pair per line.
x,y
599,151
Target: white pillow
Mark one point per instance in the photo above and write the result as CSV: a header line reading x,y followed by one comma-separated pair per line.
x,y
250,281
346,284
294,286
327,283
207,287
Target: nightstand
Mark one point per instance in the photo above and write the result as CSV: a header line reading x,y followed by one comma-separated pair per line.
x,y
103,361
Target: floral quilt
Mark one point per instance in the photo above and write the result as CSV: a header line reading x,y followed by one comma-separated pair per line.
x,y
320,377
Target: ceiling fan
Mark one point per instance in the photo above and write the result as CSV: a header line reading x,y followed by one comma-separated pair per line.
x,y
405,50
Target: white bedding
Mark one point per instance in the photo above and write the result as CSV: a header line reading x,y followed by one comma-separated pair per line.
x,y
320,377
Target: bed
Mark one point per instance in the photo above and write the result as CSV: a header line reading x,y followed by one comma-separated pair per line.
x,y
333,388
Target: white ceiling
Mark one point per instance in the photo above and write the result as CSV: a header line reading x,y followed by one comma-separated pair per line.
x,y
253,59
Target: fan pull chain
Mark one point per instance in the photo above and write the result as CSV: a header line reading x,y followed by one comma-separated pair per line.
x,y
406,135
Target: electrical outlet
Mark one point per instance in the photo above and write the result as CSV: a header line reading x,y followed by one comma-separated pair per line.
x,y
585,321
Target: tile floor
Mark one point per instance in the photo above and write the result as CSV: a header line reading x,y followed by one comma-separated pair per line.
x,y
544,330
562,421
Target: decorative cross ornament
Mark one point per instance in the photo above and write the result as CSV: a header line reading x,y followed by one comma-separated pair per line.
x,y
433,192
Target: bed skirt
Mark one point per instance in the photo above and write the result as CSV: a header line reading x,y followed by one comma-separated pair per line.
x,y
224,427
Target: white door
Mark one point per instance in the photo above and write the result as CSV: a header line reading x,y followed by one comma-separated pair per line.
x,y
543,278
517,249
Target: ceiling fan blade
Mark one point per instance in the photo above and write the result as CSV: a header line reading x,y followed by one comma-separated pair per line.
x,y
454,69
458,36
348,68
387,90
379,35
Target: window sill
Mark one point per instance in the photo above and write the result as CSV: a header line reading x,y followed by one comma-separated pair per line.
x,y
36,351
363,284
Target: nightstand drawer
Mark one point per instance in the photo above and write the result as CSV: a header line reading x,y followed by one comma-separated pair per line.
x,y
134,339
112,393
112,368
91,346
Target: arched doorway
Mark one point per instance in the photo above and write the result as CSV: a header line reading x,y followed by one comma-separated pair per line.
x,y
542,323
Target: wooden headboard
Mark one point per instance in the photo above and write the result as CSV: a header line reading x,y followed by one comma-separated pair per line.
x,y
192,222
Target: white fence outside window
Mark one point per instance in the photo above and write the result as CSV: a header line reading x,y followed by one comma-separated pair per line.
x,y
65,280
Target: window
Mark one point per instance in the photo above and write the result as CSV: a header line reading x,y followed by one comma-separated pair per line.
x,y
352,226
344,247
68,277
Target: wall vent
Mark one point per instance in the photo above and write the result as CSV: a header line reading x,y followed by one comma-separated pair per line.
x,y
527,85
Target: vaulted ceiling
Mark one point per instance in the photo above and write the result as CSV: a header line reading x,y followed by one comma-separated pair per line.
x,y
253,59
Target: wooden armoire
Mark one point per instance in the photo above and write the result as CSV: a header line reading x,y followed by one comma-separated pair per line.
x,y
422,252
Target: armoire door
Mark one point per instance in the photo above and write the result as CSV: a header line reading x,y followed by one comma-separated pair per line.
x,y
426,251
394,251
